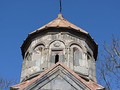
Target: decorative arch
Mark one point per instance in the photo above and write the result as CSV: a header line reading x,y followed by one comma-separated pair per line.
x,y
38,44
78,44
54,41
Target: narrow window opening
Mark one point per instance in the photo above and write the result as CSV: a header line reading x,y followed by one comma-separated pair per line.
x,y
56,58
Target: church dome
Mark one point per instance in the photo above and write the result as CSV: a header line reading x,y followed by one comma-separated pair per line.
x,y
59,41
59,22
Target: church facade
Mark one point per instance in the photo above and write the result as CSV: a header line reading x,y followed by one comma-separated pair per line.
x,y
59,56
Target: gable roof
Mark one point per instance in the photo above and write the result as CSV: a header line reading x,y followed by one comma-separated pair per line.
x,y
90,85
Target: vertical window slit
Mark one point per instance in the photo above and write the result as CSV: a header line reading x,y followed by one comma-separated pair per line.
x,y
56,58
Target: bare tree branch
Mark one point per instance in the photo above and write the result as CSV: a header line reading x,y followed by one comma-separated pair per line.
x,y
109,64
5,84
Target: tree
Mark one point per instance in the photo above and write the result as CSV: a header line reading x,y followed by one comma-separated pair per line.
x,y
109,65
5,84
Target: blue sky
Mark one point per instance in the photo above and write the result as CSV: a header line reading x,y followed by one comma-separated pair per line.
x,y
101,18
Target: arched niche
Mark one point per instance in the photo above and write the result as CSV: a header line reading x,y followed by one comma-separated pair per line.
x,y
78,59
56,52
38,55
77,55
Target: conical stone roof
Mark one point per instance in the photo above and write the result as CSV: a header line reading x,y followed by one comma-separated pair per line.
x,y
60,22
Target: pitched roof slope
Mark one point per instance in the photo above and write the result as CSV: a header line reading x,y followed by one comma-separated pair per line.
x,y
90,84
61,22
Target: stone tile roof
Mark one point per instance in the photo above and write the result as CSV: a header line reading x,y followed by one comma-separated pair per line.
x,y
90,84
60,22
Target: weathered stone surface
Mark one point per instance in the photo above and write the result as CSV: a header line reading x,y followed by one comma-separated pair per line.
x,y
44,49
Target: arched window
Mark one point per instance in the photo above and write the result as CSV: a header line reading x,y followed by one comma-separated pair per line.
x,y
77,56
57,52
